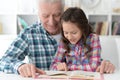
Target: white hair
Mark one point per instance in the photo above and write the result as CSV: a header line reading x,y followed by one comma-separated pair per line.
x,y
52,1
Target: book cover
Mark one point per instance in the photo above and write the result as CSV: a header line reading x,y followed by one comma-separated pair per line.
x,y
98,27
104,29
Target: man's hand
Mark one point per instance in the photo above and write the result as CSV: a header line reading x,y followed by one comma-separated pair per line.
x,y
62,67
106,67
29,70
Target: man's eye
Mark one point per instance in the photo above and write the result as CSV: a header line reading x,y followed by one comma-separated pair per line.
x,y
57,15
45,16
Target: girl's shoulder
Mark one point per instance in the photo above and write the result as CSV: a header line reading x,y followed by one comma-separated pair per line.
x,y
61,47
60,44
93,36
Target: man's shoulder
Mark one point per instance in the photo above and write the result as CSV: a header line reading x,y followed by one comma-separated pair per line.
x,y
34,28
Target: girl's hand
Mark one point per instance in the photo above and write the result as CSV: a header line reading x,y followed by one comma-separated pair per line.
x,y
106,67
62,67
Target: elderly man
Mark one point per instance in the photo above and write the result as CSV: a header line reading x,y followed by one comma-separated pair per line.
x,y
39,43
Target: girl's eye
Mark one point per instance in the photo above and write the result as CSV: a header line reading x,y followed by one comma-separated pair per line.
x,y
74,32
65,32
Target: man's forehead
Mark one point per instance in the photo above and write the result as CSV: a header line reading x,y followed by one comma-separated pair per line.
x,y
51,1
46,7
46,12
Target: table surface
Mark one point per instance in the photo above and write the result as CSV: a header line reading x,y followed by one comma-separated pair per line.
x,y
3,76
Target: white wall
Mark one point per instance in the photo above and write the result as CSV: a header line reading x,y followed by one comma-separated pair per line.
x,y
8,11
8,23
26,6
8,6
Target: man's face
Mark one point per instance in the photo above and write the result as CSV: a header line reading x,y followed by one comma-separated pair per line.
x,y
49,14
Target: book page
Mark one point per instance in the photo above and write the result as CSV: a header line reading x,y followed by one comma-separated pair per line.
x,y
56,73
84,75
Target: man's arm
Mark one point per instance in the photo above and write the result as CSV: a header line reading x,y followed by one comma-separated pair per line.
x,y
13,57
11,62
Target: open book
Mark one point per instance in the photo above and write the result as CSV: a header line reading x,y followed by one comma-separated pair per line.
x,y
84,75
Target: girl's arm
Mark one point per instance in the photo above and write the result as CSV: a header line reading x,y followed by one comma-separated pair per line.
x,y
58,57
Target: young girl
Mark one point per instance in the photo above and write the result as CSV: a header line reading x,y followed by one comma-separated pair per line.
x,y
80,47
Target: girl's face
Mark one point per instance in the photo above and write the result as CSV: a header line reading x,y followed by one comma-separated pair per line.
x,y
71,32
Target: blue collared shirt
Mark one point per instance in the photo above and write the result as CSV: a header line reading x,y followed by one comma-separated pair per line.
x,y
34,42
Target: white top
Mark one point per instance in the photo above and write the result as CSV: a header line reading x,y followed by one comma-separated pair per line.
x,y
57,37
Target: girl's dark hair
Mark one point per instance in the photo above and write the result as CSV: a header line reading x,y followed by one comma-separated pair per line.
x,y
77,16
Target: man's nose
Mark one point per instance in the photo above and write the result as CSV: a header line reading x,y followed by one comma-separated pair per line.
x,y
51,20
